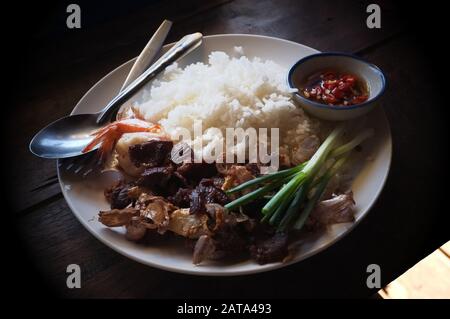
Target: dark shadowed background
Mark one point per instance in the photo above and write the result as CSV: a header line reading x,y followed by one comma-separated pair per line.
x,y
52,66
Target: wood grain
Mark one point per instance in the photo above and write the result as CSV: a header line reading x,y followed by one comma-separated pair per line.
x,y
428,279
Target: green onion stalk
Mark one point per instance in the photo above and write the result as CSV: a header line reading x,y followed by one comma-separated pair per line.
x,y
294,184
318,192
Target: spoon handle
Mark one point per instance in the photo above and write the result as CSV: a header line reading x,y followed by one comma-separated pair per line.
x,y
186,45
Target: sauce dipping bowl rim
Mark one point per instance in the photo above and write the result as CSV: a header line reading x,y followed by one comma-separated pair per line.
x,y
372,99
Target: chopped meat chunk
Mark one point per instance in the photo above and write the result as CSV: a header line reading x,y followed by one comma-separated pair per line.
x,y
188,225
117,217
180,180
217,216
230,242
175,182
253,168
162,180
223,168
205,193
218,181
270,250
156,176
338,209
136,191
196,171
237,175
155,212
221,218
225,243
135,229
182,197
151,153
117,195
205,248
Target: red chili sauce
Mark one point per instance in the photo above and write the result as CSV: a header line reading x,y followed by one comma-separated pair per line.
x,y
332,88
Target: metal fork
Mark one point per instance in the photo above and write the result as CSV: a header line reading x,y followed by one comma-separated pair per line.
x,y
83,164
88,163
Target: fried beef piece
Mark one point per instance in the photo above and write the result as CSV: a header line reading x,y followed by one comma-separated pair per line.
x,y
230,242
204,248
136,191
205,193
155,212
196,171
136,230
151,153
156,176
162,180
182,197
180,179
272,249
222,245
226,237
188,225
253,209
117,217
218,181
220,218
253,168
118,196
338,209
197,203
224,168
176,182
237,175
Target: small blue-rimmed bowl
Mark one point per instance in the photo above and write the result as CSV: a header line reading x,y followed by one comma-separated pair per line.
x,y
342,63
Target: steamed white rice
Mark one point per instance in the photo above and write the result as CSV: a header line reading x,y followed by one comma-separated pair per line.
x,y
230,92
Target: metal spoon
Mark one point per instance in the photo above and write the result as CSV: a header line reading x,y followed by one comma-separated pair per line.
x,y
68,136
88,163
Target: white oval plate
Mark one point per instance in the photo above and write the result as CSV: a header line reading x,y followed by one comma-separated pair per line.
x,y
85,196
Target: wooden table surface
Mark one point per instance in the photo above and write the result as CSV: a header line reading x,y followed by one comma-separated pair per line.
x,y
60,65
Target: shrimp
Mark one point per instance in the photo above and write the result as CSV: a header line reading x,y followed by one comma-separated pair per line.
x,y
111,133
123,146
